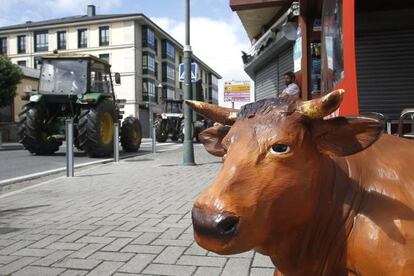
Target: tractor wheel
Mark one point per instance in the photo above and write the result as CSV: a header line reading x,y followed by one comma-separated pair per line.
x,y
131,134
161,133
96,129
33,131
176,133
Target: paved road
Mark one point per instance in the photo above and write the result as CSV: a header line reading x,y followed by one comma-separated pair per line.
x,y
131,218
17,163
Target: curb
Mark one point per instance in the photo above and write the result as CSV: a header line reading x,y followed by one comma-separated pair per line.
x,y
14,147
17,146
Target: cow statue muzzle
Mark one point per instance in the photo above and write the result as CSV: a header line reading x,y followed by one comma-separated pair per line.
x,y
221,226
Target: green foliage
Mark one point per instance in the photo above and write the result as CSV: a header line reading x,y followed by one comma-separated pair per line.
x,y
10,76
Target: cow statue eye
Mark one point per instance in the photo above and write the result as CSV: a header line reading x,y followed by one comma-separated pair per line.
x,y
279,149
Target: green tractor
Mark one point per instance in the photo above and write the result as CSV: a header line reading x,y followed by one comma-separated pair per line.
x,y
76,86
168,123
171,123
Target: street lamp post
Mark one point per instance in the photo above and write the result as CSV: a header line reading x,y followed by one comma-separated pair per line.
x,y
188,149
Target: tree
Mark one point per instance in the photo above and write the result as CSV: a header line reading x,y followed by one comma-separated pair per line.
x,y
10,76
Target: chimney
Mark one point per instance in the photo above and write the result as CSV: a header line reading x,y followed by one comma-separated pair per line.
x,y
91,10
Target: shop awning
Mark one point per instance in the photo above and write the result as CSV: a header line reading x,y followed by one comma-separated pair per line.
x,y
255,15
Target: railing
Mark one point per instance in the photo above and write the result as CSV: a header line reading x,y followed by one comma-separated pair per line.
x,y
404,114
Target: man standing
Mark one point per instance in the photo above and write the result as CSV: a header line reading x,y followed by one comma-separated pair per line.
x,y
292,89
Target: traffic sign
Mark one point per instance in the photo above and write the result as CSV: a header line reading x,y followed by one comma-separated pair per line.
x,y
194,72
237,91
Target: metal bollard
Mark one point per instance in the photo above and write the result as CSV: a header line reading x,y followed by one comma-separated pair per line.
x,y
154,146
69,148
116,142
1,139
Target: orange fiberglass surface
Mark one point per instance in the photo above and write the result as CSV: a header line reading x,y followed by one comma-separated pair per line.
x,y
319,196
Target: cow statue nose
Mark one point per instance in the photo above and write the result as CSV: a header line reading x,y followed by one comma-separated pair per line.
x,y
221,225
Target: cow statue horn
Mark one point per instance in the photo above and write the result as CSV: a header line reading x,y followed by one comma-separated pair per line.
x,y
223,115
319,108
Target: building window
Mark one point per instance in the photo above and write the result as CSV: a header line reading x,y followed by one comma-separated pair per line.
x,y
21,44
213,81
148,37
104,57
171,73
21,63
156,70
37,62
148,63
168,50
3,45
149,92
82,38
61,40
168,93
104,36
41,41
168,72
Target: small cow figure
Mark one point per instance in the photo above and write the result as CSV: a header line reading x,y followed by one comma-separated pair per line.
x,y
319,196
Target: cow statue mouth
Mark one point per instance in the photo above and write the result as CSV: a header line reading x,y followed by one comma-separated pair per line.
x,y
215,231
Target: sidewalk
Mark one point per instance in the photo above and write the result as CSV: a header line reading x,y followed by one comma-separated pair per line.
x,y
131,218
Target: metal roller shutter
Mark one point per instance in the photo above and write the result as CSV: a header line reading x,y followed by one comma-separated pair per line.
x,y
285,65
385,71
269,79
266,81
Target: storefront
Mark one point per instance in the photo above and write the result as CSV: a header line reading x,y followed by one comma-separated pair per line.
x,y
269,78
271,56
363,46
384,52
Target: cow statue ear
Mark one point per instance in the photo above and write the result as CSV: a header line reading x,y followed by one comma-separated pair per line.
x,y
212,137
344,136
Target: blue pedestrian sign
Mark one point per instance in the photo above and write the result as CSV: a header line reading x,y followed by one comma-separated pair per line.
x,y
194,72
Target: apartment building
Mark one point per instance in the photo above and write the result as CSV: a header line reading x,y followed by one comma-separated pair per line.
x,y
146,56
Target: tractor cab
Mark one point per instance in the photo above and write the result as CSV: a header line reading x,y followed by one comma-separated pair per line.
x,y
75,75
173,108
79,87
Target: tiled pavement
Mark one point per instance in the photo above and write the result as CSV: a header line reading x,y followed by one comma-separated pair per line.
x,y
131,218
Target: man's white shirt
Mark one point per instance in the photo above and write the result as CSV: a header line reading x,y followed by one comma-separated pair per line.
x,y
292,89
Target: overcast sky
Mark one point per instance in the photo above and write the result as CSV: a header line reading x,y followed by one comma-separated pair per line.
x,y
217,36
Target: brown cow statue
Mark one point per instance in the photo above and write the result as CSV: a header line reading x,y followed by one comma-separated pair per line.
x,y
319,196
